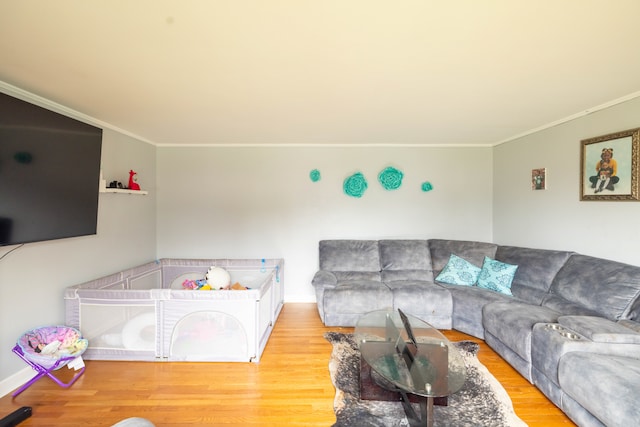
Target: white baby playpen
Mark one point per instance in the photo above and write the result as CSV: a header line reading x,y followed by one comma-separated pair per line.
x,y
145,313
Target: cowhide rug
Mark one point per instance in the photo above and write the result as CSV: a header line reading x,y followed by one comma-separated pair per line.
x,y
482,401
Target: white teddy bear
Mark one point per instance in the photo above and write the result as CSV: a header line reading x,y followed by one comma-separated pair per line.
x,y
218,278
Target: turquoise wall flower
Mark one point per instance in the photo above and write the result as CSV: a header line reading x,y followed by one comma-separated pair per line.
x,y
314,175
426,186
390,178
355,185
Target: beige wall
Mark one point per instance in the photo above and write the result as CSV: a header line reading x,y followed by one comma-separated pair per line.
x,y
260,202
556,218
34,276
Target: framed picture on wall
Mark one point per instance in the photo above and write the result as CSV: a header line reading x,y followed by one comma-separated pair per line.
x,y
609,166
539,179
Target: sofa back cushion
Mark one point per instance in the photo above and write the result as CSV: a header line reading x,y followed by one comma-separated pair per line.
x,y
356,276
609,288
349,255
536,270
474,252
566,307
405,260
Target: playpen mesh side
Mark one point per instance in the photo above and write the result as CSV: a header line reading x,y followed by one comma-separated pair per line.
x,y
207,335
142,269
117,326
112,281
136,315
150,273
252,263
145,280
175,271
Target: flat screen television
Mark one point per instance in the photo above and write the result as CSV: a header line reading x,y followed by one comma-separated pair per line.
x,y
49,174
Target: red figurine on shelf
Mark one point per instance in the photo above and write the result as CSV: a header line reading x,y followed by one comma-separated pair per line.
x,y
133,185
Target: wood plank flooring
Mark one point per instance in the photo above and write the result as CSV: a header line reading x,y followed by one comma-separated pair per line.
x,y
290,386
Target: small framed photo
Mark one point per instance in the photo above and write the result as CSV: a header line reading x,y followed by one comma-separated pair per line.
x,y
539,179
609,166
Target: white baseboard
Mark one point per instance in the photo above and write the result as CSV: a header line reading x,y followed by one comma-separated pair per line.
x,y
16,380
301,298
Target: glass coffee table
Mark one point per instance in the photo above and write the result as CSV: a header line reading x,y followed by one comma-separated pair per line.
x,y
408,356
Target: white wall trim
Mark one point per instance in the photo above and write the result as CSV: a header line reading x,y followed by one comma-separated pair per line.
x,y
573,117
302,145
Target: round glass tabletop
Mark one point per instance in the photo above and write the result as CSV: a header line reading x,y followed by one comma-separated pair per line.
x,y
410,354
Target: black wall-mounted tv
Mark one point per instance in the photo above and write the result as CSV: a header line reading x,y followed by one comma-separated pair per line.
x,y
49,174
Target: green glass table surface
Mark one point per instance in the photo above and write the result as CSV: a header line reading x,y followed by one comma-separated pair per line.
x,y
432,367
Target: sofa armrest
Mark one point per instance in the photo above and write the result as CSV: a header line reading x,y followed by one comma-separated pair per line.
x,y
600,330
324,279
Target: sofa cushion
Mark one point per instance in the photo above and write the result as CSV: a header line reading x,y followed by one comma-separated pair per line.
x,y
350,276
404,255
405,260
530,295
467,307
357,297
458,271
395,275
511,322
496,276
607,287
349,255
536,270
474,252
425,300
324,278
605,385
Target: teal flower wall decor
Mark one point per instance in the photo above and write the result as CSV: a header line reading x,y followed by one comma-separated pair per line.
x,y
390,178
355,185
314,175
426,186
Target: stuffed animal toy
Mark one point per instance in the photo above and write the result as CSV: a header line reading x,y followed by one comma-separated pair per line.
x,y
133,185
218,278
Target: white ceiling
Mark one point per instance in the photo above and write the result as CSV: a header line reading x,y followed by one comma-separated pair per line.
x,y
325,71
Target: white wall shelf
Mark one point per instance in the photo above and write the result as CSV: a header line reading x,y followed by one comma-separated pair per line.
x,y
123,191
102,187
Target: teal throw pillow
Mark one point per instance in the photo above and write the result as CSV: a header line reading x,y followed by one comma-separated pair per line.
x,y
496,276
459,271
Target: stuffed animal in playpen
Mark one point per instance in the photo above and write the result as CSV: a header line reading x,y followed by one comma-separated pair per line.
x,y
218,278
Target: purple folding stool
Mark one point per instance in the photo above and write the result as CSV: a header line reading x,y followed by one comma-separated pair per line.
x,y
49,348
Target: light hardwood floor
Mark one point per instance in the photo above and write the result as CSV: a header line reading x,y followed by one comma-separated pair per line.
x,y
290,386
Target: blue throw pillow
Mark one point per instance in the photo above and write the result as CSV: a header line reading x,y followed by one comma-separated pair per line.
x,y
496,276
459,271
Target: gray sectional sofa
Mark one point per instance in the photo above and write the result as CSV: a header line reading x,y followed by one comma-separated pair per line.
x,y
570,326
